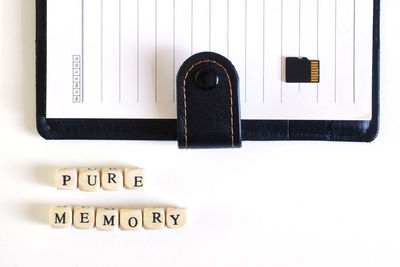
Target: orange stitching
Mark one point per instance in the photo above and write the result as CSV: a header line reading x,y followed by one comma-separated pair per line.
x,y
230,91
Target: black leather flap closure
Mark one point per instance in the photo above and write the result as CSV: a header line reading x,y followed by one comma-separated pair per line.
x,y
208,103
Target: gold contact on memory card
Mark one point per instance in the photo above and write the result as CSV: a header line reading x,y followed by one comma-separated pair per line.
x,y
314,71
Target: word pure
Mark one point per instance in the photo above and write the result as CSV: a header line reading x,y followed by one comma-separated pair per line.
x,y
92,179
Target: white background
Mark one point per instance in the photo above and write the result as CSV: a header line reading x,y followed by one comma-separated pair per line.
x,y
268,204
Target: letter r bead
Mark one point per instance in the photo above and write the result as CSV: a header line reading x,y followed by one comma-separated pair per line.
x,y
153,218
112,179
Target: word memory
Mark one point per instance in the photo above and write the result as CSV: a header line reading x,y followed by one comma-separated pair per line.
x,y
109,219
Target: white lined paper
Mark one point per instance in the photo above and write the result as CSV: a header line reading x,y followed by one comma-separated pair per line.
x,y
132,49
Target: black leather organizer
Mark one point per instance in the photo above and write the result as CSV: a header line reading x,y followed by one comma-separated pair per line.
x,y
208,108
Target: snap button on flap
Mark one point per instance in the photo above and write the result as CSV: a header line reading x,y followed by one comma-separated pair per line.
x,y
208,103
206,79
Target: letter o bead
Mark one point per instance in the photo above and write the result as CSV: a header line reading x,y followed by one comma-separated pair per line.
x,y
130,219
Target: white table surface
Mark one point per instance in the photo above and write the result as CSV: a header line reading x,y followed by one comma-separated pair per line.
x,y
267,204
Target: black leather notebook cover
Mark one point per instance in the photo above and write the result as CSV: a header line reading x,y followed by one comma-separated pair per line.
x,y
158,129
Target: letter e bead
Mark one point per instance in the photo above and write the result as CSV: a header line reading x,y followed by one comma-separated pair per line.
x,y
84,217
134,179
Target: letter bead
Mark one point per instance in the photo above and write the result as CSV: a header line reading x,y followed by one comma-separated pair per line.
x,y
112,179
134,178
153,218
84,217
130,219
60,217
107,219
66,179
89,180
176,218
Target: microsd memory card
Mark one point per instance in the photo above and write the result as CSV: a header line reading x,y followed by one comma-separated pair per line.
x,y
302,70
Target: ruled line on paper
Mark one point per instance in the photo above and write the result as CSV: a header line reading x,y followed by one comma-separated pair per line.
x,y
299,28
155,50
245,54
191,26
119,52
83,52
209,25
281,51
318,10
263,100
137,52
299,36
174,51
335,51
102,52
354,52
227,27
